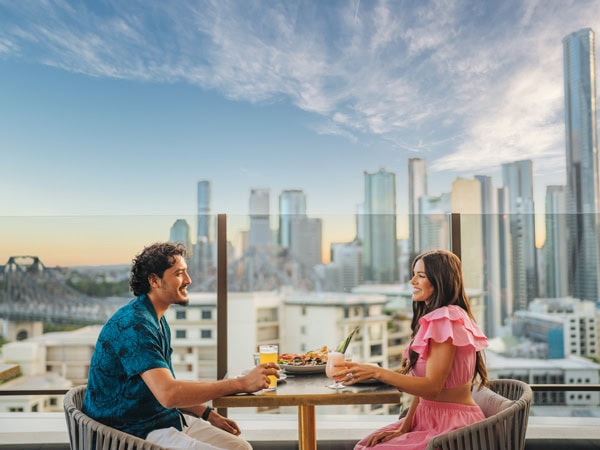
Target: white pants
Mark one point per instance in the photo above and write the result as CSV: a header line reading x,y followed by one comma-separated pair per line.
x,y
198,435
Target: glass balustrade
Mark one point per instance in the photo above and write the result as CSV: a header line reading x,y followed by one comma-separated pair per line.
x,y
300,282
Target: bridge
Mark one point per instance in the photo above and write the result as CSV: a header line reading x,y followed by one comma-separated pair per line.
x,y
30,291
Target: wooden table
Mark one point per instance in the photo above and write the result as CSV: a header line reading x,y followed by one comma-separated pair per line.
x,y
307,391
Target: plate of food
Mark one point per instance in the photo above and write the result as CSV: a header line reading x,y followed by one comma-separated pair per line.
x,y
304,363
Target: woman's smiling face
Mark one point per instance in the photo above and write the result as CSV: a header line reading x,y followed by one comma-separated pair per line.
x,y
422,288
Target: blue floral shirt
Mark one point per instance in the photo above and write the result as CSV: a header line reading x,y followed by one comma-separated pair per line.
x,y
131,342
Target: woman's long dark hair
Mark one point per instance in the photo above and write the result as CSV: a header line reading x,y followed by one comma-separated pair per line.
x,y
444,271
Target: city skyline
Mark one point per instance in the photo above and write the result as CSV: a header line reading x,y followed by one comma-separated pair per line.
x,y
112,113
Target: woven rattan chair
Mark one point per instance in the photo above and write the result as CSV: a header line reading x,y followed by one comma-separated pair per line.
x,y
87,434
503,429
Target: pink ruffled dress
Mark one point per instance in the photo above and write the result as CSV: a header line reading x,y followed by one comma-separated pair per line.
x,y
433,418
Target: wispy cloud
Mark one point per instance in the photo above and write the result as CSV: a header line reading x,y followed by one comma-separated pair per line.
x,y
469,84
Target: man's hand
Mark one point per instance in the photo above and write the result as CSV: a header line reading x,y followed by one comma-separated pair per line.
x,y
257,378
223,423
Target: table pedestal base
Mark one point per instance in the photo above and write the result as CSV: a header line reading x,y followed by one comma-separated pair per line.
x,y
307,435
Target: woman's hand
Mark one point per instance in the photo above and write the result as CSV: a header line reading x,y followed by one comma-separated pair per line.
x,y
356,372
384,436
223,423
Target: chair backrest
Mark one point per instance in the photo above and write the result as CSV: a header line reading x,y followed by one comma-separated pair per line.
x,y
504,430
86,433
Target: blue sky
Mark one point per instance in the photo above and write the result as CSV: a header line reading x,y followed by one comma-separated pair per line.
x,y
118,108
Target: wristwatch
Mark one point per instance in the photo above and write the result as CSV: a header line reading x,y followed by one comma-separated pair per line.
x,y
206,412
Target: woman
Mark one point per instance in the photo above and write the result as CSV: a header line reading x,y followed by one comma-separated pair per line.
x,y
441,363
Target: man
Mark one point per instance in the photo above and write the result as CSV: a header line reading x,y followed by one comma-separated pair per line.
x,y
131,383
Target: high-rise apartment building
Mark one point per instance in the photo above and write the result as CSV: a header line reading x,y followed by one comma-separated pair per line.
x,y
518,178
260,230
380,249
582,163
417,187
555,247
292,205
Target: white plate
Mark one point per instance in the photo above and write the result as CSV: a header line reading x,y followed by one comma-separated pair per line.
x,y
317,368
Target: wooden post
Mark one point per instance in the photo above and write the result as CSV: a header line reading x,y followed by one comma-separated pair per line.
x,y
222,300
455,244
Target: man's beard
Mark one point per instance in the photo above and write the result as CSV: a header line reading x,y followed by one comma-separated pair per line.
x,y
183,302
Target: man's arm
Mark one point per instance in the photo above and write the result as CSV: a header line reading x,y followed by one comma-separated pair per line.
x,y
190,395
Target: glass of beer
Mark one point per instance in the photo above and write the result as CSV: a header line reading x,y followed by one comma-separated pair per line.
x,y
268,354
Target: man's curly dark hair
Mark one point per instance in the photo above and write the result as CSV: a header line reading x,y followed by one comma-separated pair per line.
x,y
154,259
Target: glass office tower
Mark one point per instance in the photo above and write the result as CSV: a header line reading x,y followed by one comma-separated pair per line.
x,y
203,211
260,210
518,178
557,281
417,187
202,266
292,205
582,163
380,248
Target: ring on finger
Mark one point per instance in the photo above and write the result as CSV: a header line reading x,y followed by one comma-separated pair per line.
x,y
350,376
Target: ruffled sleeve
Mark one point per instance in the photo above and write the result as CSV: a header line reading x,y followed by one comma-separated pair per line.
x,y
448,322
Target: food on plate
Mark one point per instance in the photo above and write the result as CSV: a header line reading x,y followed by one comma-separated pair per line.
x,y
310,358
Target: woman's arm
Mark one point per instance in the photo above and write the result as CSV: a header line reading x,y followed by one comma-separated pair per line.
x,y
407,424
439,364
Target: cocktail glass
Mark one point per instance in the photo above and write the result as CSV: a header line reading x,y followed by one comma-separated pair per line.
x,y
335,362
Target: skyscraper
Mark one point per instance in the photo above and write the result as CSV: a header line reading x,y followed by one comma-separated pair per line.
x,y
380,247
582,163
260,230
347,257
518,178
417,187
434,222
180,232
491,255
504,255
466,199
292,205
203,256
306,242
555,247
203,199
